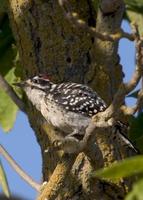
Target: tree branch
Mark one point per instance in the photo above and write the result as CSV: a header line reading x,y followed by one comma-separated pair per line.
x,y
73,17
138,106
126,88
18,169
103,120
101,124
11,93
56,182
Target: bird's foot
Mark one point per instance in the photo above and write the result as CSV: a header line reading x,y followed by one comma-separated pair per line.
x,y
68,144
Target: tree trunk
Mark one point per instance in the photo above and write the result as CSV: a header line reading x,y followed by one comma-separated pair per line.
x,y
49,43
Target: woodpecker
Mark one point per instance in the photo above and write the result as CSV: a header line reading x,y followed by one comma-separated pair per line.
x,y
69,106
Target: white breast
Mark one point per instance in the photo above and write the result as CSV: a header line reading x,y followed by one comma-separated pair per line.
x,y
66,121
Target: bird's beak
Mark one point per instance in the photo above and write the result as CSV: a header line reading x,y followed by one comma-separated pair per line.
x,y
20,84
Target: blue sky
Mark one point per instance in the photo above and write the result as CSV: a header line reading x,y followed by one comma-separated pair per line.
x,y
21,143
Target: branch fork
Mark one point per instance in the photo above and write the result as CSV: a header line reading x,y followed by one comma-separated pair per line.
x,y
73,17
100,123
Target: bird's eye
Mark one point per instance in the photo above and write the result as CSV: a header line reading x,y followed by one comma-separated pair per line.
x,y
35,81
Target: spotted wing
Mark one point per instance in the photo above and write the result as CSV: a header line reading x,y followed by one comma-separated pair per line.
x,y
78,98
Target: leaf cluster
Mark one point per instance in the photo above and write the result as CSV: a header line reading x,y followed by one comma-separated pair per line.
x,y
9,66
125,168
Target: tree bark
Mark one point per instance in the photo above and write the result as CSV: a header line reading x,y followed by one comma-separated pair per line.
x,y
49,43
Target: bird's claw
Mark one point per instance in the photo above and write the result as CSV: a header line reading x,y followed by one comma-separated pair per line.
x,y
57,143
68,144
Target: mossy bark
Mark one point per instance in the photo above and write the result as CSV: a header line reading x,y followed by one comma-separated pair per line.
x,y
49,43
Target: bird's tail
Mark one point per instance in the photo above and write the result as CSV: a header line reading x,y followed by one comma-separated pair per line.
x,y
121,128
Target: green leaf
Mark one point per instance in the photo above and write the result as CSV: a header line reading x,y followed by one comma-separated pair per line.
x,y
3,5
135,5
8,65
134,94
6,38
134,12
136,127
136,130
137,191
136,17
8,109
3,181
139,143
127,167
96,4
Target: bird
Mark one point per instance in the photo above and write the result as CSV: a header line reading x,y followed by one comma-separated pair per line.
x,y
67,106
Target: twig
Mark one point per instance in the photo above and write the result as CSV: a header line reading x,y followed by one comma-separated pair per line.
x,y
126,88
103,120
18,169
138,106
139,58
56,182
73,17
11,93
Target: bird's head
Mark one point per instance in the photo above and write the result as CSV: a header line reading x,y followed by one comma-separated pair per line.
x,y
39,82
